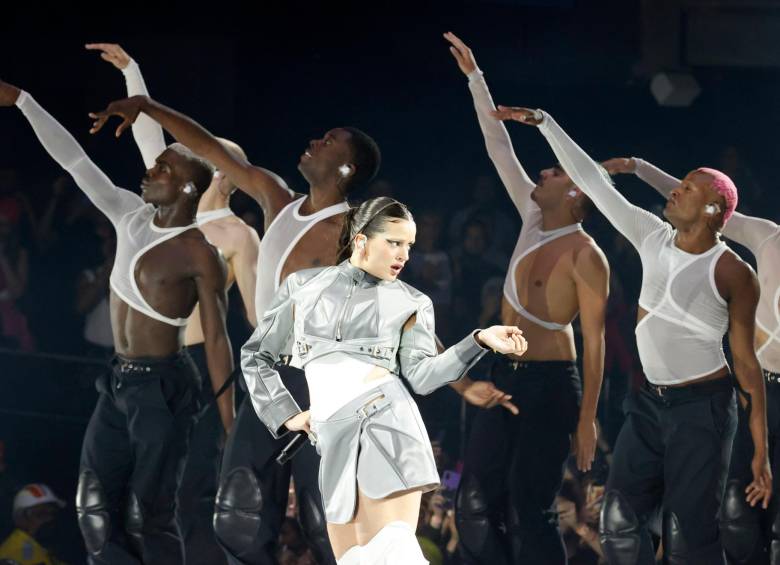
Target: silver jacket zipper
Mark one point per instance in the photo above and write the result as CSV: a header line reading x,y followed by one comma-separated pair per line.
x,y
344,310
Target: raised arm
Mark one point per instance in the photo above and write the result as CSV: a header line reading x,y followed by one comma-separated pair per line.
x,y
499,146
749,231
113,201
272,401
210,279
426,370
267,188
633,222
147,133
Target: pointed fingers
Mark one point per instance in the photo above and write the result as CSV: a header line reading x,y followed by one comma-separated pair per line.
x,y
126,123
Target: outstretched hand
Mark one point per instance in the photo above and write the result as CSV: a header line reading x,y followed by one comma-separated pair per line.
x,y
619,165
463,55
484,394
522,115
112,53
9,94
127,109
504,339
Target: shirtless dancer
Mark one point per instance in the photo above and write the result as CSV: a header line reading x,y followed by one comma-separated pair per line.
x,y
136,441
749,535
238,244
302,231
673,451
514,465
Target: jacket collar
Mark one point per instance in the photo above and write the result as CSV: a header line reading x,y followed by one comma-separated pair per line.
x,y
358,275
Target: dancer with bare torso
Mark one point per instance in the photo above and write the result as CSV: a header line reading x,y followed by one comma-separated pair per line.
x,y
556,272
238,245
673,451
136,441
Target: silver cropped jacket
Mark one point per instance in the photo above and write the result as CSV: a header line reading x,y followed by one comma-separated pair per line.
x,y
345,309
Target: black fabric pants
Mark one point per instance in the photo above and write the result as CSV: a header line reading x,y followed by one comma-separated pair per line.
x,y
672,454
131,461
253,488
751,536
198,486
514,467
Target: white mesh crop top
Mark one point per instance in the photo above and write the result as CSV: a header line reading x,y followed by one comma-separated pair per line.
x,y
278,242
762,238
681,337
519,186
133,219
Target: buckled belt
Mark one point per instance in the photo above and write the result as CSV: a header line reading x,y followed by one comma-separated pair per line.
x,y
681,392
771,378
131,367
372,407
302,348
375,351
378,351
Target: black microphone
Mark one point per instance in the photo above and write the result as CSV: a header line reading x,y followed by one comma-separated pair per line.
x,y
295,445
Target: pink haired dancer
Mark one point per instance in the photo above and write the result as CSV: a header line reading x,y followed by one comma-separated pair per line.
x,y
749,535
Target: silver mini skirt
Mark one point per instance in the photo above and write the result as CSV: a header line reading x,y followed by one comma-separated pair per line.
x,y
376,442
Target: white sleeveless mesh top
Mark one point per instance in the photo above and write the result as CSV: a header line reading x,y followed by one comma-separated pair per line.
x,y
279,240
762,238
681,337
131,216
519,186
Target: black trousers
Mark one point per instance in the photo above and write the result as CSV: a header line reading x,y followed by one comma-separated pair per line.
x,y
253,488
198,486
751,536
514,467
672,454
131,461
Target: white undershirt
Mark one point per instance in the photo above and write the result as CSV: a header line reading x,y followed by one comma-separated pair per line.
x,y
336,379
132,218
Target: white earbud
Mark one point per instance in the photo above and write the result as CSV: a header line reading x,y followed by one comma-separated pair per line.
x,y
711,209
362,244
572,193
344,170
189,188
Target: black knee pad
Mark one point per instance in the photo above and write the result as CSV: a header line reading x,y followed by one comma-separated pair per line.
x,y
620,530
314,526
470,499
471,515
134,517
93,513
678,550
740,527
675,546
237,509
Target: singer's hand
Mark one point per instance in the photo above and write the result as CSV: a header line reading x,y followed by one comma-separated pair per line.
x,y
299,422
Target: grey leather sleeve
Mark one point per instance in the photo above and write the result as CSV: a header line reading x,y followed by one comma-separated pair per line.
x,y
270,398
426,370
